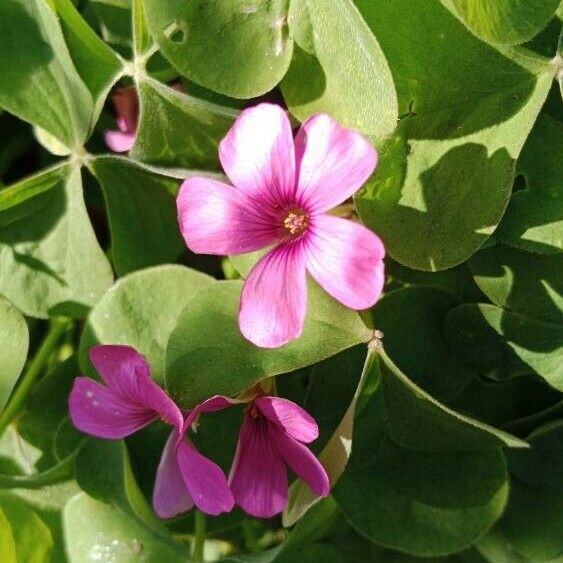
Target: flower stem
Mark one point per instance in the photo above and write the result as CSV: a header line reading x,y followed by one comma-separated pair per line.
x,y
199,536
56,331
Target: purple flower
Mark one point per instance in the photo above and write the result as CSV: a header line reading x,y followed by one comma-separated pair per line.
x,y
271,439
129,401
282,190
126,106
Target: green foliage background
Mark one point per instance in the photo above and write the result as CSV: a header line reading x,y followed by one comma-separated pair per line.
x,y
456,425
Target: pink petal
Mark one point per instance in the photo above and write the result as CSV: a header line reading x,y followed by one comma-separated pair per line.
x,y
213,404
127,374
258,156
126,104
99,411
205,481
215,218
274,298
118,141
170,496
346,259
294,420
301,461
258,476
332,163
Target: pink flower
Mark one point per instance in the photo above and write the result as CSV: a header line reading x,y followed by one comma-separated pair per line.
x,y
126,106
282,189
271,438
129,401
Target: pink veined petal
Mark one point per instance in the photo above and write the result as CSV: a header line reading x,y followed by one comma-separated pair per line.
x,y
274,297
99,411
205,481
346,259
258,155
258,476
119,141
295,421
301,461
213,404
215,218
127,373
332,163
170,496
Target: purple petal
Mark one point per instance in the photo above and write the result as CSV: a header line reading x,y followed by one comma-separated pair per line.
x,y
258,156
346,259
332,163
258,476
118,141
215,218
294,420
99,411
301,461
127,374
274,298
213,404
170,496
205,481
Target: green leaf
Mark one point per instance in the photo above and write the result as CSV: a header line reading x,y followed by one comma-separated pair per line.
x,y
142,214
411,320
207,354
458,280
419,422
521,282
421,503
113,535
33,540
14,343
340,68
38,81
237,48
505,343
7,542
45,241
336,453
444,179
142,40
141,310
504,21
115,21
533,220
176,129
98,65
534,516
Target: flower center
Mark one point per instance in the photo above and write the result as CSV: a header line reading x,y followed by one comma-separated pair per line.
x,y
296,222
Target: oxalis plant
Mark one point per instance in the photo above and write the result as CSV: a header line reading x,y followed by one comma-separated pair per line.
x,y
281,281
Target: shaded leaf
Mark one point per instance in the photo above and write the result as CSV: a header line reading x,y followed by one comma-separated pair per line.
x,y
521,282
504,344
411,321
422,503
176,129
142,214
